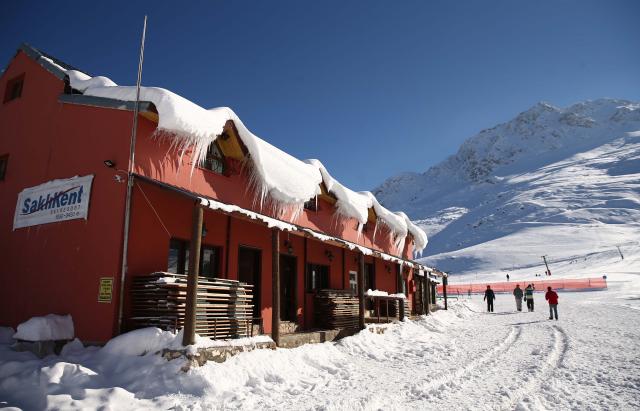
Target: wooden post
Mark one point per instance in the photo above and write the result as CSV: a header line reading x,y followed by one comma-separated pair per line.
x,y
226,248
305,285
275,286
387,305
189,336
344,274
401,309
361,293
444,291
427,293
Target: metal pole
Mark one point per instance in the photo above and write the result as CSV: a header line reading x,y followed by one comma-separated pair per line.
x,y
275,285
544,257
127,207
361,293
189,336
621,256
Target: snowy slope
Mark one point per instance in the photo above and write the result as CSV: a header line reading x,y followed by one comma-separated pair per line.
x,y
562,182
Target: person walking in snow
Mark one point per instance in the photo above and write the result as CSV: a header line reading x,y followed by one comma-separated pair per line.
x,y
552,297
528,296
517,292
489,296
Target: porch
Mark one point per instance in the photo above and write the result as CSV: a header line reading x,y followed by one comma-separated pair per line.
x,y
281,279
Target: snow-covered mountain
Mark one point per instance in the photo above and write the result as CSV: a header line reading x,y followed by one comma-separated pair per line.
x,y
562,182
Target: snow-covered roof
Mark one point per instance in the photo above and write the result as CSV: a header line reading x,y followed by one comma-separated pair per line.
x,y
285,226
283,182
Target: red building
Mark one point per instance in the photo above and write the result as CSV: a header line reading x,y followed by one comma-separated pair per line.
x,y
50,130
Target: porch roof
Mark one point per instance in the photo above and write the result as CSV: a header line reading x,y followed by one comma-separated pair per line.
x,y
232,209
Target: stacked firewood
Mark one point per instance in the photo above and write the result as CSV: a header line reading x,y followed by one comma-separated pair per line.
x,y
335,309
224,307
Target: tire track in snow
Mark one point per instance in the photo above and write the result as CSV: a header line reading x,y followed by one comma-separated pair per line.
x,y
533,386
425,390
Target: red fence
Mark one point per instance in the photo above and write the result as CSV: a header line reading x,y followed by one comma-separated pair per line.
x,y
578,284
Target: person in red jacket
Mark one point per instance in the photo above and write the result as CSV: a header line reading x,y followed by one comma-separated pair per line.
x,y
552,297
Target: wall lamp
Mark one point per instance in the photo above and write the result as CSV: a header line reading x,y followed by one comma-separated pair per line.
x,y
329,255
289,246
109,163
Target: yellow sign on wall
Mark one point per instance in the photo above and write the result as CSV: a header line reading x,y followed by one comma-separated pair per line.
x,y
105,291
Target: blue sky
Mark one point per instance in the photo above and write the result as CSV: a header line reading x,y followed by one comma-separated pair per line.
x,y
370,88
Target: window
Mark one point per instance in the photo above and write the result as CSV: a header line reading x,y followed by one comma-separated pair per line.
x,y
4,160
214,160
210,262
14,88
353,282
402,284
179,259
312,205
317,277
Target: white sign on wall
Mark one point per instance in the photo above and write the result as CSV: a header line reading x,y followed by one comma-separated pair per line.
x,y
53,201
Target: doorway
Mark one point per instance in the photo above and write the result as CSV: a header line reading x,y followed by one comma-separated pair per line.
x,y
288,274
250,272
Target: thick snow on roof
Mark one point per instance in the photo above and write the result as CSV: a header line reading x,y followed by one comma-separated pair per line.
x,y
356,205
283,182
419,236
349,203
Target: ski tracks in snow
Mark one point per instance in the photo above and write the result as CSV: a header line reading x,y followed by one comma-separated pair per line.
x,y
506,376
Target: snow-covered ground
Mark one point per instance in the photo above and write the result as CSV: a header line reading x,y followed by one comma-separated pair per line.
x,y
463,358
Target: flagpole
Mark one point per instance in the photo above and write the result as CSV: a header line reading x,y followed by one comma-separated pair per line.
x,y
130,178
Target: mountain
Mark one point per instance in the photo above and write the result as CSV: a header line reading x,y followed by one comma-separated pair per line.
x,y
562,182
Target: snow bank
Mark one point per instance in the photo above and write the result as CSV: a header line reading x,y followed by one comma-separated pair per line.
x,y
49,327
151,340
139,342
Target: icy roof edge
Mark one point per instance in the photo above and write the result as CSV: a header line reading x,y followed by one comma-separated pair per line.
x,y
45,62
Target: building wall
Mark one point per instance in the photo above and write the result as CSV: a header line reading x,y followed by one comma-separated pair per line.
x,y
55,267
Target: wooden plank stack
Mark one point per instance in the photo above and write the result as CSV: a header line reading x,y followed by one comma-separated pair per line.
x,y
336,309
224,308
